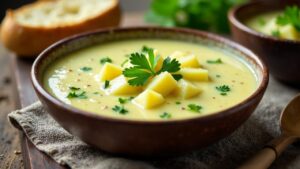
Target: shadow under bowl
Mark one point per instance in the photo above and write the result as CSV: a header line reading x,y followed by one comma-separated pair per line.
x,y
281,56
147,138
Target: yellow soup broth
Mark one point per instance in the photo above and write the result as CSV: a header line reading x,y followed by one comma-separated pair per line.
x,y
81,70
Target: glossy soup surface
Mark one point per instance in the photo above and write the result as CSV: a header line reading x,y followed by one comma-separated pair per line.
x,y
67,71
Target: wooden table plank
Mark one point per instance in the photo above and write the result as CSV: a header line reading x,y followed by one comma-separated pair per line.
x,y
33,158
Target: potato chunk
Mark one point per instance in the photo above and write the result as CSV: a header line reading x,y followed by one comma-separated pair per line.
x,y
189,61
149,99
187,90
289,32
120,86
194,74
163,83
109,71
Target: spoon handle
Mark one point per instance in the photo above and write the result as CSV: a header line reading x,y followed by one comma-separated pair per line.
x,y
265,157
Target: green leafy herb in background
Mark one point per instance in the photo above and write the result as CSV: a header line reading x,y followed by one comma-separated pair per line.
x,y
275,33
198,14
290,16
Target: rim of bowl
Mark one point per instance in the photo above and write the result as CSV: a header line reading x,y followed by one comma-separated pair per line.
x,y
233,18
218,39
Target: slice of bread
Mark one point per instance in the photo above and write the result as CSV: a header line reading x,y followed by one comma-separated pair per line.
x,y
30,29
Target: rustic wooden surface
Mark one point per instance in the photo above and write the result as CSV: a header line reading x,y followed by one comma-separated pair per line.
x,y
21,95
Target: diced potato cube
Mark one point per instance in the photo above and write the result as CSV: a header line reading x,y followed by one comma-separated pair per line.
x,y
177,55
194,74
120,86
109,71
189,61
187,90
289,32
163,83
149,99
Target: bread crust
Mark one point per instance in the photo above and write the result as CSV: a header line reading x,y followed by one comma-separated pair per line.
x,y
29,41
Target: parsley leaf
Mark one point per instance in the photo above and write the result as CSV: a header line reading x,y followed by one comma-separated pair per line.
x,y
170,66
177,77
85,69
165,115
195,108
106,84
144,67
224,89
146,49
79,95
291,16
218,61
104,60
120,109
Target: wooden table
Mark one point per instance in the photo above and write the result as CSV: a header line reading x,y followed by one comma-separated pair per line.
x,y
33,158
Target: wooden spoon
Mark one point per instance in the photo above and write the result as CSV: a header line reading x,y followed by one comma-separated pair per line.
x,y
290,127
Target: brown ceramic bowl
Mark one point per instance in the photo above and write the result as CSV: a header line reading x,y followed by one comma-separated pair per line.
x,y
282,56
146,138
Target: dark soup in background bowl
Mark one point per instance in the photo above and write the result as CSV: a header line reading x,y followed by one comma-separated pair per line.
x,y
272,30
147,91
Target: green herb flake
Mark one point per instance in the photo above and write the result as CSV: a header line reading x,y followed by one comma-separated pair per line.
x,y
165,115
78,95
74,88
218,61
106,84
144,67
262,21
120,109
96,93
178,102
125,61
124,100
223,89
218,76
105,60
85,69
276,33
290,16
195,108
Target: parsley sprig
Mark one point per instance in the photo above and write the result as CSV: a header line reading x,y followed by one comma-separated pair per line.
x,y
144,67
291,15
223,89
194,108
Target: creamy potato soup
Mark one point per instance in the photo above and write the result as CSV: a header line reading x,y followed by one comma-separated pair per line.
x,y
150,79
280,24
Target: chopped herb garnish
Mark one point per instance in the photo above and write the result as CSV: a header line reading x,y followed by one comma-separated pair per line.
x,y
143,68
85,69
178,102
224,89
218,76
194,108
79,95
291,15
96,93
104,60
106,84
125,61
218,61
124,100
275,33
261,21
165,115
74,88
120,109
146,49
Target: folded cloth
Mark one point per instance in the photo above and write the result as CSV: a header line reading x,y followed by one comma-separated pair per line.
x,y
230,152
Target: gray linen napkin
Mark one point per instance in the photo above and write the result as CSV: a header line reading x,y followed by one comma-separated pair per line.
x,y
230,152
